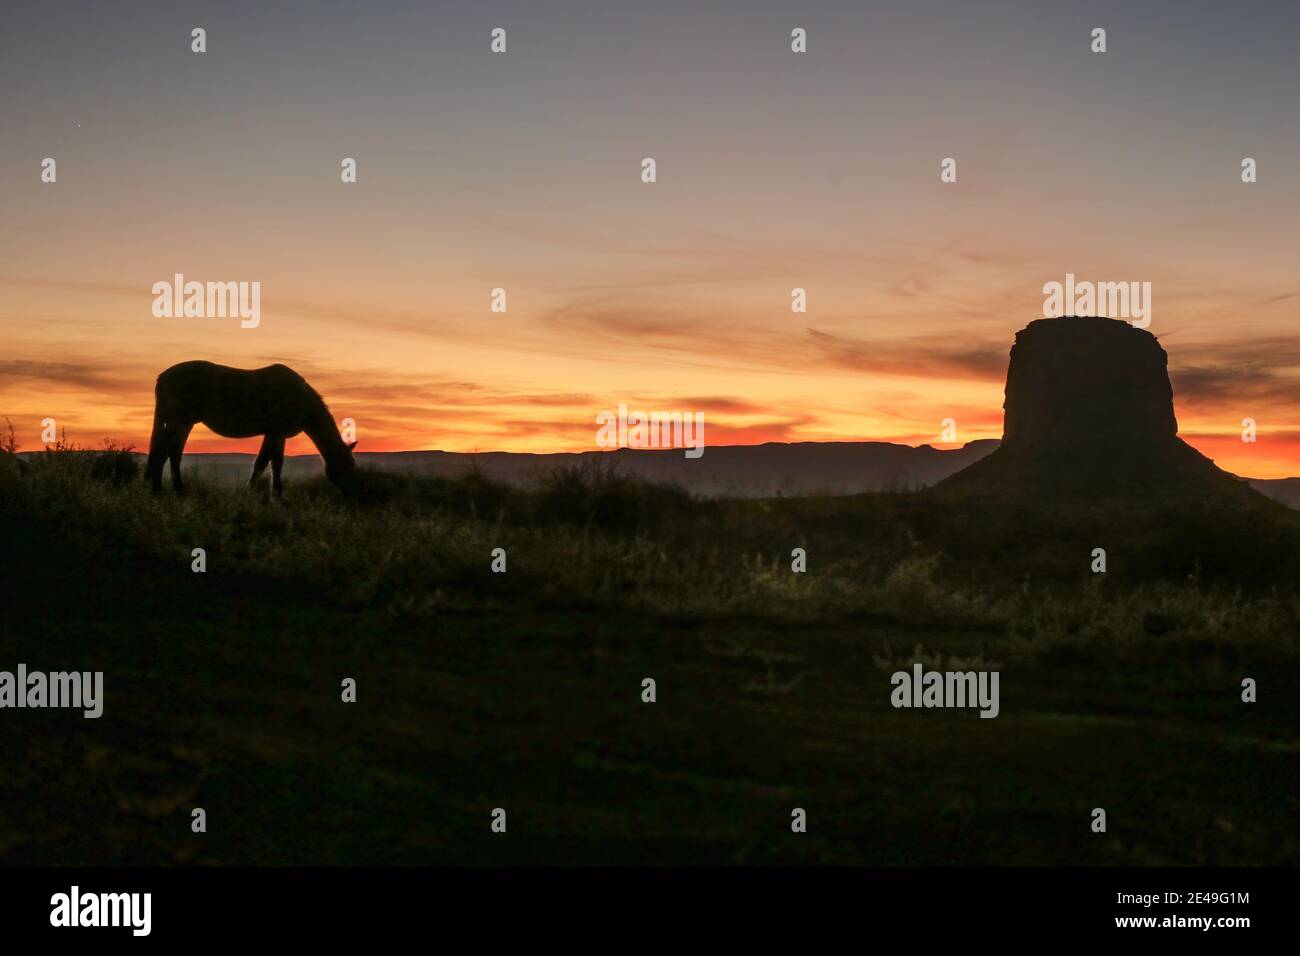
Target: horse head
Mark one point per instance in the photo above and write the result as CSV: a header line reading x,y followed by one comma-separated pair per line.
x,y
341,470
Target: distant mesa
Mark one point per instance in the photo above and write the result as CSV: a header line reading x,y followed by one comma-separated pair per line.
x,y
1089,413
1075,383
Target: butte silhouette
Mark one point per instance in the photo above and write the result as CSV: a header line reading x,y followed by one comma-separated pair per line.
x,y
1089,416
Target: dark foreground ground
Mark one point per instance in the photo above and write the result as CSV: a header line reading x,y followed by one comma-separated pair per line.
x,y
523,691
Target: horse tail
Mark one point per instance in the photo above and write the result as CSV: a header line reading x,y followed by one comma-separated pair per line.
x,y
162,399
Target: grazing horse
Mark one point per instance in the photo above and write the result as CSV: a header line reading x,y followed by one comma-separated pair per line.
x,y
274,401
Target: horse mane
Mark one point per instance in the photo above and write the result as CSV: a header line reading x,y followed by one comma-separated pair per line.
x,y
319,403
325,435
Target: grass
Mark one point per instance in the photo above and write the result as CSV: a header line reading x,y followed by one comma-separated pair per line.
x,y
522,690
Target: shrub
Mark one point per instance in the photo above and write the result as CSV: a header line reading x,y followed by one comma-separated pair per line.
x,y
117,464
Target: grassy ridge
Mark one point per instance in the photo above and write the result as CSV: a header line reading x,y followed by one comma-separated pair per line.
x,y
522,690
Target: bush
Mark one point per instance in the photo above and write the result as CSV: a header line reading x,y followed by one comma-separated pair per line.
x,y
596,495
117,464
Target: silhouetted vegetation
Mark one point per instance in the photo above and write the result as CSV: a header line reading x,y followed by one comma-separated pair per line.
x,y
115,464
523,686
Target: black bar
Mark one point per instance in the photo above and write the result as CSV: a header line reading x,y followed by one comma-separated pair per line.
x,y
328,906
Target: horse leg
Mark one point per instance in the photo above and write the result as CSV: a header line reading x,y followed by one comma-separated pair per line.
x,y
176,447
277,462
263,459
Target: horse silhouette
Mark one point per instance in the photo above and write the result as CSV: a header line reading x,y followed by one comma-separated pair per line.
x,y
274,401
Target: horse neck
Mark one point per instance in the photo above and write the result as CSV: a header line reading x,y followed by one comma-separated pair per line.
x,y
325,436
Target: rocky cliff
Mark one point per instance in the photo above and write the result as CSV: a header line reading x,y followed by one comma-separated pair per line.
x,y
1089,415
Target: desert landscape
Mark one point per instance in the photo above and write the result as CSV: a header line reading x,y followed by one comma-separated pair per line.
x,y
499,633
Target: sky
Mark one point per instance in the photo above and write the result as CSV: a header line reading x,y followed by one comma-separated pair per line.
x,y
522,170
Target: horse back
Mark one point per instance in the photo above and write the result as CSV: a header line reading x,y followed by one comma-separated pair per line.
x,y
238,402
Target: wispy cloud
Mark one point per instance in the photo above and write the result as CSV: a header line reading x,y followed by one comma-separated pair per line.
x,y
919,356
